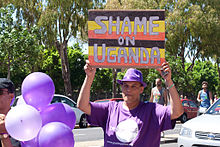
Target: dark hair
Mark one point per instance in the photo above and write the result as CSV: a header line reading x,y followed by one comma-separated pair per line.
x,y
205,82
7,84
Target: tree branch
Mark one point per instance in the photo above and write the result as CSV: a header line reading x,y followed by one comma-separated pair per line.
x,y
61,40
193,61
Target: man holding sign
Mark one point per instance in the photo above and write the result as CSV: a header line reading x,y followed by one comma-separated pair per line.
x,y
131,122
129,39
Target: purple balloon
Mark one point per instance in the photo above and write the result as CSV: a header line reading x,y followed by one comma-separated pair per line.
x,y
23,122
30,143
38,89
56,134
58,112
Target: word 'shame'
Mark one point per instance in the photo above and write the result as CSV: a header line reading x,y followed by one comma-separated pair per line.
x,y
126,23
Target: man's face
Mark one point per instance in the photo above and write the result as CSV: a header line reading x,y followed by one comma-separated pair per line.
x,y
5,99
158,82
131,91
204,86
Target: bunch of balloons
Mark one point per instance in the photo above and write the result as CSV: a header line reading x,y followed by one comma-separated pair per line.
x,y
37,123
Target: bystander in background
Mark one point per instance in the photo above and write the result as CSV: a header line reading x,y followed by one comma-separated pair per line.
x,y
6,96
205,96
159,93
215,97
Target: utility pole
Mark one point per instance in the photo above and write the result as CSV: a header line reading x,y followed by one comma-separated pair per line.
x,y
114,74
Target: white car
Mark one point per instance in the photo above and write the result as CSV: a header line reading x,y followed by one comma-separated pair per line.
x,y
203,130
201,110
80,116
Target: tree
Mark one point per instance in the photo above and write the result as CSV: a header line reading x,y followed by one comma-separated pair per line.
x,y
102,83
77,61
205,71
52,66
193,30
19,46
192,26
59,22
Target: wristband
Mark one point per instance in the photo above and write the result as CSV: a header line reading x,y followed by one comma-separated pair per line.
x,y
171,86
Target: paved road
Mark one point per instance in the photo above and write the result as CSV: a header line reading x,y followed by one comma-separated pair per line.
x,y
93,137
176,130
173,144
88,134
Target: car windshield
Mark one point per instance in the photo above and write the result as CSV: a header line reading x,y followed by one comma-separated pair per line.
x,y
215,109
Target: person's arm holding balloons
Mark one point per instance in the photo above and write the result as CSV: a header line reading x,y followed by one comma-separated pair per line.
x,y
83,99
5,140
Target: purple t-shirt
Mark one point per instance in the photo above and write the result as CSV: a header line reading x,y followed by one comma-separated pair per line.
x,y
139,127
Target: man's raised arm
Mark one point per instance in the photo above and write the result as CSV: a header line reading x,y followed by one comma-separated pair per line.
x,y
176,105
84,95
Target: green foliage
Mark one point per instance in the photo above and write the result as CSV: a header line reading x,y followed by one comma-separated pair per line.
x,y
149,76
67,19
59,21
192,31
103,81
20,48
192,26
132,4
205,71
76,63
52,66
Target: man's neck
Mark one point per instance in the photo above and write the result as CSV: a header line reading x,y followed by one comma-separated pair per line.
x,y
159,87
130,106
205,90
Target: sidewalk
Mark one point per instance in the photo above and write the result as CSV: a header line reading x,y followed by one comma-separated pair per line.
x,y
169,138
99,143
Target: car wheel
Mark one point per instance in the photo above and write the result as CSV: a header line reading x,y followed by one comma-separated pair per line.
x,y
183,118
83,122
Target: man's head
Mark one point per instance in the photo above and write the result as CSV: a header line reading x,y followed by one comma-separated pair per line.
x,y
132,84
204,84
181,96
133,75
7,84
158,82
6,94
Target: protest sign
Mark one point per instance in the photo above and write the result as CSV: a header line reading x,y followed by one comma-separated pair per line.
x,y
126,38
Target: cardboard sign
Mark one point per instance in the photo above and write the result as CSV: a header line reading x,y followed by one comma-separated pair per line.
x,y
131,38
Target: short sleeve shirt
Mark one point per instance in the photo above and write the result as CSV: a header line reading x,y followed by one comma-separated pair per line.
x,y
158,96
138,127
205,99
